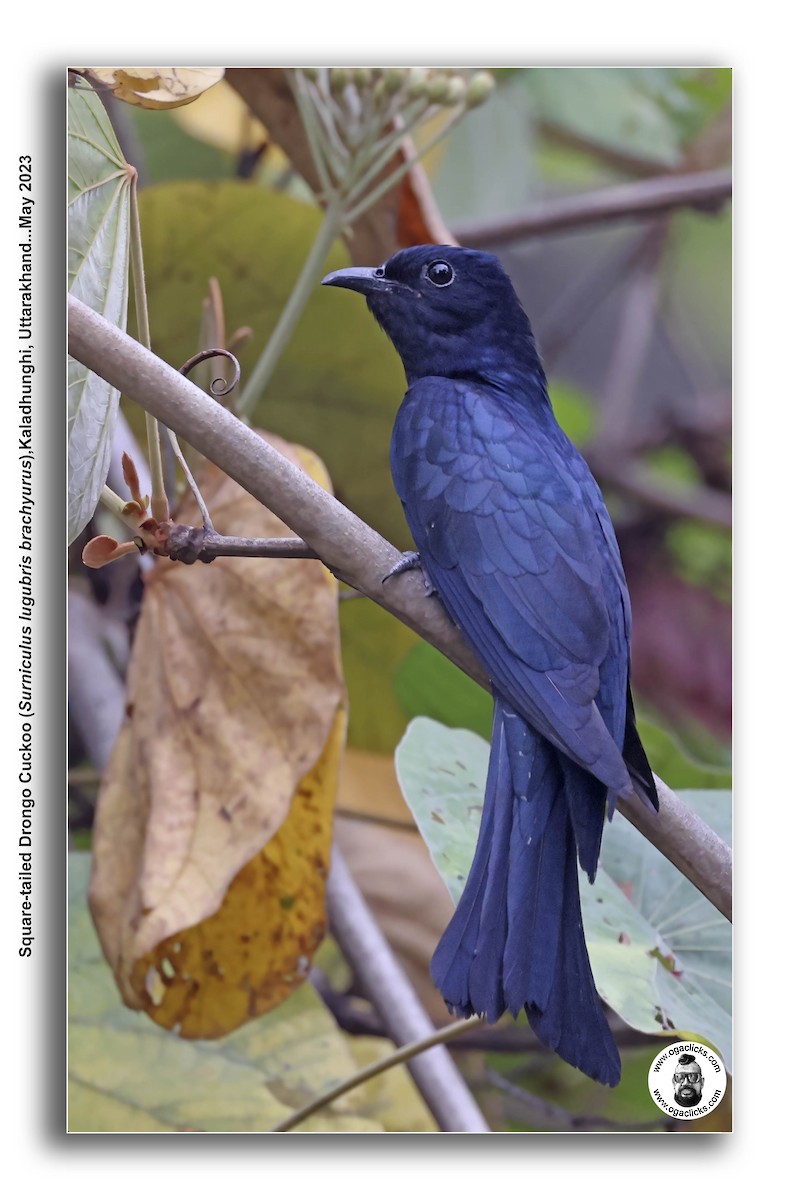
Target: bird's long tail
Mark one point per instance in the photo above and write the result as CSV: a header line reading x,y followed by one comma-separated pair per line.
x,y
516,940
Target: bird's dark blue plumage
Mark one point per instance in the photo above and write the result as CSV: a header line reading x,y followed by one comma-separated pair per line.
x,y
514,536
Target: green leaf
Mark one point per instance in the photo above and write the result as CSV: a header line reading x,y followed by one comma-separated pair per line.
x,y
428,685
673,975
126,1074
705,93
704,765
375,646
338,384
575,411
99,198
660,952
703,555
170,152
442,775
675,463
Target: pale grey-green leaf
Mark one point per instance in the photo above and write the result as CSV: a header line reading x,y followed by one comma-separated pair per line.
x,y
99,198
126,1074
660,952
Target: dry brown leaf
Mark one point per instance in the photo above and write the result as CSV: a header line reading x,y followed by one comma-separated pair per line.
x,y
252,954
154,87
235,703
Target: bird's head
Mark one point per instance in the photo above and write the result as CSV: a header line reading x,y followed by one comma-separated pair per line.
x,y
448,311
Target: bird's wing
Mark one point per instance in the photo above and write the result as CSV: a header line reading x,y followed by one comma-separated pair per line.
x,y
507,519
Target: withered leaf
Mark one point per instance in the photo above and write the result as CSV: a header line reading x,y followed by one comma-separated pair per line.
x,y
155,87
235,727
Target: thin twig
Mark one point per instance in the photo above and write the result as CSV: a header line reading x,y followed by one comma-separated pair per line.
x,y
307,112
354,552
189,544
218,389
630,162
409,160
158,496
404,1054
704,190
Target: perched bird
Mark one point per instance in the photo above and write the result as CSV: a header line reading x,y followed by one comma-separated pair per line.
x,y
513,535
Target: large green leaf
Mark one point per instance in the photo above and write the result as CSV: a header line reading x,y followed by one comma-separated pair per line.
x,y
665,950
99,198
128,1075
442,774
338,383
374,645
704,765
428,685
660,952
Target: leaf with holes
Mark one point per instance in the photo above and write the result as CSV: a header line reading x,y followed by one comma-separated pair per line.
x,y
156,87
213,829
127,1075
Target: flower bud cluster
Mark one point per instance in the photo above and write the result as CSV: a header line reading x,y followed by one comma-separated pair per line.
x,y
357,117
445,87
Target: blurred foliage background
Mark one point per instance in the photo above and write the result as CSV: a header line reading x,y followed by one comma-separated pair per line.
x,y
633,318
632,312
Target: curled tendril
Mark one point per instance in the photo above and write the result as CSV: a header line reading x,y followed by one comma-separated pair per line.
x,y
219,387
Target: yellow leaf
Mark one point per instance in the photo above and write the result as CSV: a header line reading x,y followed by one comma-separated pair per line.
x,y
222,119
235,719
252,954
126,1074
155,87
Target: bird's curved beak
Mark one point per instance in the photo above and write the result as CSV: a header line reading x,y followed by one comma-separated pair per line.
x,y
357,279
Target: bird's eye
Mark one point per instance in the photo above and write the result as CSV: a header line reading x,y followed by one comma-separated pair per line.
x,y
380,272
441,274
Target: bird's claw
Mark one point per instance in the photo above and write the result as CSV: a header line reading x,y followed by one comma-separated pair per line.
x,y
411,561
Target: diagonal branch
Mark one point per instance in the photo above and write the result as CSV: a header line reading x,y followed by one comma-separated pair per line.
x,y
352,550
703,190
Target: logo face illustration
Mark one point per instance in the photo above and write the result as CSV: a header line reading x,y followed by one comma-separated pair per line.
x,y
687,1080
